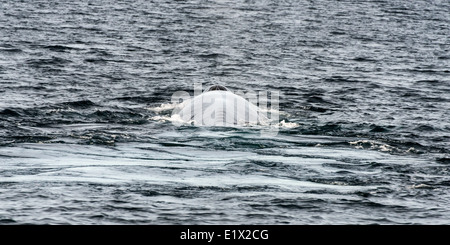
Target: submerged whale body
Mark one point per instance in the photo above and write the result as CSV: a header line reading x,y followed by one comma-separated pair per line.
x,y
218,106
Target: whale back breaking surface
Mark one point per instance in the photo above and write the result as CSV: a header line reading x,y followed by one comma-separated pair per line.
x,y
220,108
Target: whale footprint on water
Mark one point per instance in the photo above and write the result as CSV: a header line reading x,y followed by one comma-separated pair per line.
x,y
218,106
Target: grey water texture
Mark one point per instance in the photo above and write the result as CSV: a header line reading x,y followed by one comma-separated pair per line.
x,y
364,122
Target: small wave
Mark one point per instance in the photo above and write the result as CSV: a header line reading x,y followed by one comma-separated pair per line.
x,y
31,138
341,79
429,81
314,108
444,160
284,124
375,145
421,186
140,99
383,147
95,60
363,59
82,104
379,129
53,61
162,107
10,50
429,70
124,117
212,56
423,128
7,221
10,112
58,48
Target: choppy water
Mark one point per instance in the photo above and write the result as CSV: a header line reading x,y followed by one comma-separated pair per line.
x,y
84,95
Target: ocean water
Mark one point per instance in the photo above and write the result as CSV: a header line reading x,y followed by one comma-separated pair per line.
x,y
85,105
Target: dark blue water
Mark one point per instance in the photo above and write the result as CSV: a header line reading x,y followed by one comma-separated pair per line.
x,y
86,135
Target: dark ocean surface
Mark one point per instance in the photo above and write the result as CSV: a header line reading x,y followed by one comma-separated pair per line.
x,y
86,135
